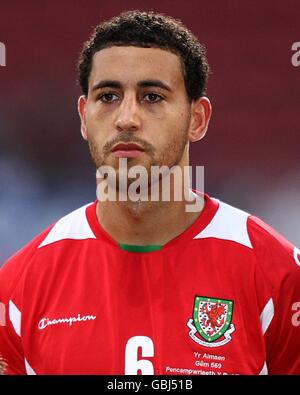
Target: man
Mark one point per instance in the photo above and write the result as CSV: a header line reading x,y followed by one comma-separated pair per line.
x,y
130,285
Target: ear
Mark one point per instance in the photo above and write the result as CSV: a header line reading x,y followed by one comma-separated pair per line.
x,y
81,112
201,110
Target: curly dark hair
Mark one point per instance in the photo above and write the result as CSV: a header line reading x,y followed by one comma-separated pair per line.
x,y
148,30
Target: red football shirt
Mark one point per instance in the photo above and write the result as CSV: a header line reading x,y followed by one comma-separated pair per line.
x,y
221,298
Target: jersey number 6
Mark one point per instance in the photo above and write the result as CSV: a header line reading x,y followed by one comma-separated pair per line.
x,y
133,365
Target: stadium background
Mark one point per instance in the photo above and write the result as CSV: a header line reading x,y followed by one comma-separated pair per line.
x,y
251,152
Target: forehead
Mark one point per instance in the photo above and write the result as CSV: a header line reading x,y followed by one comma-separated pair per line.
x,y
131,64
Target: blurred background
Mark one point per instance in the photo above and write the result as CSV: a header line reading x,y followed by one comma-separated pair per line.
x,y
251,152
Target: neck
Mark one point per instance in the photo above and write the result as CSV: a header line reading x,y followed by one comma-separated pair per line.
x,y
148,222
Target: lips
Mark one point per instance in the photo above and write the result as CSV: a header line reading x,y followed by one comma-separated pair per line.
x,y
127,147
127,150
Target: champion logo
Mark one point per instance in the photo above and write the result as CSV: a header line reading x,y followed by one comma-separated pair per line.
x,y
44,322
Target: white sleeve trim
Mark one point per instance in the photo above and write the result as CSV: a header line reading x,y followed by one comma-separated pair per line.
x,y
264,370
15,317
267,315
297,255
28,368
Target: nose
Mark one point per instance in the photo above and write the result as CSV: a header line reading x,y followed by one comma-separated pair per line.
x,y
128,117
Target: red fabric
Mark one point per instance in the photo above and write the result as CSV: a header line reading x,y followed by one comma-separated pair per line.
x,y
108,307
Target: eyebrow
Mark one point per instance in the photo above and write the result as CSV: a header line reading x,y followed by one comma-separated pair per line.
x,y
155,83
141,84
106,84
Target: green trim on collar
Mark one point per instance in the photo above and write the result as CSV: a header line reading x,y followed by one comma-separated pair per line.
x,y
134,248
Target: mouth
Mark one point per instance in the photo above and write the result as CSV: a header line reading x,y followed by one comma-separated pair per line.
x,y
127,150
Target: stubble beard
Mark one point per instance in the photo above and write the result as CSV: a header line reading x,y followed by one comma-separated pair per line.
x,y
170,155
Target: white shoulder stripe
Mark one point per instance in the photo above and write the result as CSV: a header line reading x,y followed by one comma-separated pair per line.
x,y
229,223
15,317
28,368
73,226
267,315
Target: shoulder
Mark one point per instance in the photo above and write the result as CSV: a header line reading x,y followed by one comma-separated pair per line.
x,y
240,227
13,269
276,257
272,247
262,233
72,226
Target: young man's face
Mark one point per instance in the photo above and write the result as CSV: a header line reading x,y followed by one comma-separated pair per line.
x,y
136,96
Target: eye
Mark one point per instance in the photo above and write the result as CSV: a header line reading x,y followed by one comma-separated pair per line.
x,y
108,97
152,97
